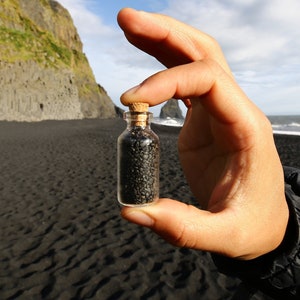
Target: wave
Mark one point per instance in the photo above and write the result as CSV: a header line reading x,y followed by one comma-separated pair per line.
x,y
286,124
292,128
286,132
169,122
293,124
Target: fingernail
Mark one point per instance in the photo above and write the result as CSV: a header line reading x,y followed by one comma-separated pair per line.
x,y
132,90
128,96
139,217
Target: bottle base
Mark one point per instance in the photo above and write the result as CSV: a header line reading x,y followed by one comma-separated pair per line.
x,y
137,204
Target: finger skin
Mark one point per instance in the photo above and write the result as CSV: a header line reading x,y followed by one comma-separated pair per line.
x,y
178,223
187,226
170,41
229,158
226,146
221,97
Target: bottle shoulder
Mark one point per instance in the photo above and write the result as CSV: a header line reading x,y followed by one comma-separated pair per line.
x,y
139,133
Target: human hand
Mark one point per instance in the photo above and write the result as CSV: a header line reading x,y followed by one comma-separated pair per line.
x,y
226,146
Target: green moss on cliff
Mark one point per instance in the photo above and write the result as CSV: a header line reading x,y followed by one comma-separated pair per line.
x,y
22,39
42,31
39,46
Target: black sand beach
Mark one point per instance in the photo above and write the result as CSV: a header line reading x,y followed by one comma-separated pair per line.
x,y
61,236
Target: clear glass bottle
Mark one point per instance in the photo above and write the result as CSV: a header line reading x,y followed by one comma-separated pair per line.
x,y
138,161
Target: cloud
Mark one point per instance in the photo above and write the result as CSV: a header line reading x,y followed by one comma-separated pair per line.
x,y
88,23
116,64
260,39
250,32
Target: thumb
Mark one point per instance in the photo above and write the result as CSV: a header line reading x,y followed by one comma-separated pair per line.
x,y
184,225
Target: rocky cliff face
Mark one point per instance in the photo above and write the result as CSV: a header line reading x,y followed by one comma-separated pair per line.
x,y
43,72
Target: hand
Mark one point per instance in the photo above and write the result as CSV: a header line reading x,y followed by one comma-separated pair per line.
x,y
226,146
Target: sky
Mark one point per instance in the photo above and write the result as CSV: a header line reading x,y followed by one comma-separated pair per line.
x,y
260,39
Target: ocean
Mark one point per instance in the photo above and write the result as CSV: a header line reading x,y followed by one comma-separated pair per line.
x,y
289,124
286,124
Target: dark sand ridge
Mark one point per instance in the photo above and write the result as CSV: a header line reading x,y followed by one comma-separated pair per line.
x,y
61,236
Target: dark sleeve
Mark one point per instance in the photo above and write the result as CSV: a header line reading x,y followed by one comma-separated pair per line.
x,y
277,274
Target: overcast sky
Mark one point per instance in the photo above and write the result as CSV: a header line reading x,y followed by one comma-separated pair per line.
x,y
260,38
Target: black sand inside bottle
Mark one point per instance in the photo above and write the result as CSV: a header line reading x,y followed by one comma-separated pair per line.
x,y
138,159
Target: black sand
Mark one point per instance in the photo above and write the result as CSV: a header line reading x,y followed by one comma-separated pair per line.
x,y
61,236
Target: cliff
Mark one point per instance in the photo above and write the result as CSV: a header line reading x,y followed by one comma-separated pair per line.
x,y
44,73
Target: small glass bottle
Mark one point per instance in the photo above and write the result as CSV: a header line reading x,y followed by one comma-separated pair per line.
x,y
138,159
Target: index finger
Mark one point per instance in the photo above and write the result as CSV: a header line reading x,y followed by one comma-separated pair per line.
x,y
205,79
171,42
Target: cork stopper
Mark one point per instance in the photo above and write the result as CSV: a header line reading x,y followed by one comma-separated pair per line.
x,y
138,107
140,111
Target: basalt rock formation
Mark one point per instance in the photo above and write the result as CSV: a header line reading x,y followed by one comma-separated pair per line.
x,y
171,110
44,73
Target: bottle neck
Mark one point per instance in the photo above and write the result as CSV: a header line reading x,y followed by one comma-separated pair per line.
x,y
138,119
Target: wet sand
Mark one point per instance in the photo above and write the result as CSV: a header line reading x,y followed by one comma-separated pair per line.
x,y
61,236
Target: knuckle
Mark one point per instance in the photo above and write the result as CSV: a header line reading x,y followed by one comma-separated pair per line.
x,y
175,236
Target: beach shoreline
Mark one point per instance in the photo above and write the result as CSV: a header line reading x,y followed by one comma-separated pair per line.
x,y
61,235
